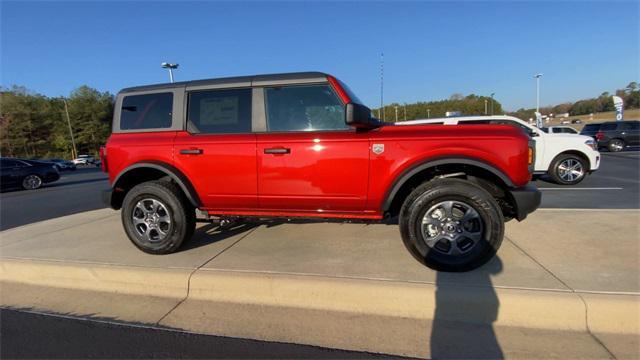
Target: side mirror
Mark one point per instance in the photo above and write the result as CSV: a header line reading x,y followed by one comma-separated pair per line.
x,y
533,133
359,116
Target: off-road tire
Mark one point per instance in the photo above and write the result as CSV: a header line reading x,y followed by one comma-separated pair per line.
x,y
180,211
434,192
556,173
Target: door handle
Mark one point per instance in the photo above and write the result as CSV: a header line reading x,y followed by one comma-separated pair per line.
x,y
191,151
277,151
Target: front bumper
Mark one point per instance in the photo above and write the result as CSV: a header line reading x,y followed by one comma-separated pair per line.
x,y
526,200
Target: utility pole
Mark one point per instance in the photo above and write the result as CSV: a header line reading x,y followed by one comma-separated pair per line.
x,y
74,151
537,76
382,84
485,106
405,112
428,113
396,113
492,102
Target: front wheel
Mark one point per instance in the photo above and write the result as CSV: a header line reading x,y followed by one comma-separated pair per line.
x,y
156,217
31,182
568,169
451,225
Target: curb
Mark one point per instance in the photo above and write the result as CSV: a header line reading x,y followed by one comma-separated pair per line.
x,y
382,316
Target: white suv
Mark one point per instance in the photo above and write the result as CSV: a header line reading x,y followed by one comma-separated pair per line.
x,y
566,158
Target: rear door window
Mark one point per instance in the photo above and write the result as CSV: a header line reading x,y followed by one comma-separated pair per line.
x,y
149,111
220,111
608,127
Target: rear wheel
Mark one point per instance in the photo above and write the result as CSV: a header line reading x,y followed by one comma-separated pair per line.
x,y
568,169
31,182
451,225
156,217
616,145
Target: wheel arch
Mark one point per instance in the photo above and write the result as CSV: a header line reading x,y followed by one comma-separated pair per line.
x,y
577,153
147,171
489,177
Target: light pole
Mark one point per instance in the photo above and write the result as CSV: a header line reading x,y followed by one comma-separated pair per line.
x,y
396,107
492,103
537,76
428,113
485,106
166,65
405,112
74,151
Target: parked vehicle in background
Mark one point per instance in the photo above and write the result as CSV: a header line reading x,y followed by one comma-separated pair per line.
x,y
576,121
26,174
62,165
617,135
590,130
302,145
84,160
566,158
559,130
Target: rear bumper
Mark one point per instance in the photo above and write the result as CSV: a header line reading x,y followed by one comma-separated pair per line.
x,y
526,200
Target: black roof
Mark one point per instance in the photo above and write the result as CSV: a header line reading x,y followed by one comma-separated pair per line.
x,y
276,78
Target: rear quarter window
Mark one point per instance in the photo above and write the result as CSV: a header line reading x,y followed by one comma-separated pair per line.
x,y
608,127
149,111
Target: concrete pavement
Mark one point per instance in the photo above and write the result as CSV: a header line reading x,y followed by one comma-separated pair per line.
x,y
563,285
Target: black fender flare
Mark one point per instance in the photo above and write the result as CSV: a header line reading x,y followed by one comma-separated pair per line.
x,y
410,172
171,171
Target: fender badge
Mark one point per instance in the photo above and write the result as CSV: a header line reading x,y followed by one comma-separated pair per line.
x,y
378,149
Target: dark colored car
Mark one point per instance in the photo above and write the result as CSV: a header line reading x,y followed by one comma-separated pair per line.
x,y
591,130
617,135
26,174
61,165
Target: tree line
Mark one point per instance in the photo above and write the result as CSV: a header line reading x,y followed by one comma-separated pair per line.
x,y
603,103
33,125
467,105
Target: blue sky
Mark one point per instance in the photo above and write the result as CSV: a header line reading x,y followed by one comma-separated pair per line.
x,y
431,49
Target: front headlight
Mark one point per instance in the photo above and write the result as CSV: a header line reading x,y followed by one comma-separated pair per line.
x,y
592,144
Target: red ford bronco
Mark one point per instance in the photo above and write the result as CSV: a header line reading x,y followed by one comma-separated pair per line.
x,y
303,145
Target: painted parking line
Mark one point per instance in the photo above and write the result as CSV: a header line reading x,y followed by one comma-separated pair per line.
x,y
592,188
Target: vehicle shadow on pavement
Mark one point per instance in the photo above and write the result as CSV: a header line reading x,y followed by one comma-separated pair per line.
x,y
453,336
212,233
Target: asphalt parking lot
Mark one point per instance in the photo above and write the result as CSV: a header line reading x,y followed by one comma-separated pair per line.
x,y
615,186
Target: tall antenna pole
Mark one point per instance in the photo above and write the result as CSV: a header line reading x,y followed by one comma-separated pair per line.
x,y
382,84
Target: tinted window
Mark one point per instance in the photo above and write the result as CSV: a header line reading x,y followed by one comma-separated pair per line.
x,y
608,127
12,163
220,111
304,108
152,111
631,125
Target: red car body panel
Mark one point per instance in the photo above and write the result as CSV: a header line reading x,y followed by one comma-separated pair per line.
x,y
323,171
124,150
325,174
225,174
